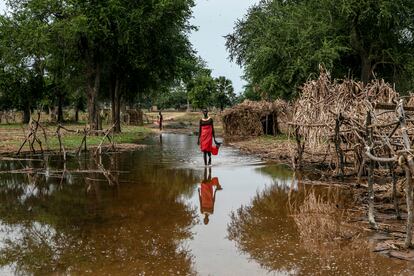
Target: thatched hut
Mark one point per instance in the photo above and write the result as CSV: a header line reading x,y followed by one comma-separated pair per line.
x,y
255,119
134,117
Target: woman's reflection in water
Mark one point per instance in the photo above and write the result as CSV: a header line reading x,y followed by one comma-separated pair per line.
x,y
207,194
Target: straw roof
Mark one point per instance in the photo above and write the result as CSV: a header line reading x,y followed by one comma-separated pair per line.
x,y
244,120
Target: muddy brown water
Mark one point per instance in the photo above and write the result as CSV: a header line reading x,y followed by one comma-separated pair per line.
x,y
149,218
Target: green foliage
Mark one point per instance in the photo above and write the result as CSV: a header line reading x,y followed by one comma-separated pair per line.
x,y
21,84
282,43
249,94
202,90
206,91
114,48
224,95
175,98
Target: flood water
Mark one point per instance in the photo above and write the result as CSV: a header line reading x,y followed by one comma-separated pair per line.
x,y
158,211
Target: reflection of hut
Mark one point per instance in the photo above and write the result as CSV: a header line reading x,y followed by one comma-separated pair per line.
x,y
134,117
255,118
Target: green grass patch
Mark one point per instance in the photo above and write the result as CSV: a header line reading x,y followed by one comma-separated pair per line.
x,y
130,134
12,126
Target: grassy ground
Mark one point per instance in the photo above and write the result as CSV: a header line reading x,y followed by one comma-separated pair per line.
x,y
13,135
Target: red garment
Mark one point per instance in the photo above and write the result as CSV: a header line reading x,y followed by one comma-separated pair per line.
x,y
207,195
206,138
207,200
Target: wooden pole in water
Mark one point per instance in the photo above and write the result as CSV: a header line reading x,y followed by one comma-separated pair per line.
x,y
394,189
300,147
409,197
371,194
339,152
409,169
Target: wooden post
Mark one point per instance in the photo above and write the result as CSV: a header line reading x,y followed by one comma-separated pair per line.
x,y
85,139
339,152
409,197
61,146
300,147
371,193
409,169
394,190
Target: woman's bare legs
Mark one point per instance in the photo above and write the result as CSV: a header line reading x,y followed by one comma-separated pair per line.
x,y
205,153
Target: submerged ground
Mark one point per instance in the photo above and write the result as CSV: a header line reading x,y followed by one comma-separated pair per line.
x,y
140,212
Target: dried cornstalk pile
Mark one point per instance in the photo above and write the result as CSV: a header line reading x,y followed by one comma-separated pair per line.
x,y
328,111
245,119
367,129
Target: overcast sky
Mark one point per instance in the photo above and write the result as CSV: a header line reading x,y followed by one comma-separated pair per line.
x,y
214,18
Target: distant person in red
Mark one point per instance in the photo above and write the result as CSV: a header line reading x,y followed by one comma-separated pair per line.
x,y
206,136
207,194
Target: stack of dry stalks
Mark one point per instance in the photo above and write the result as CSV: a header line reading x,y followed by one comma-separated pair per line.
x,y
365,128
324,104
244,120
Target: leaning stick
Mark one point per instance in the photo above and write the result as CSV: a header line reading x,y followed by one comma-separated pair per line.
x,y
107,132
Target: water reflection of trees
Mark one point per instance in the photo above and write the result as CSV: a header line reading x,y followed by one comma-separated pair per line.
x,y
267,232
264,230
132,225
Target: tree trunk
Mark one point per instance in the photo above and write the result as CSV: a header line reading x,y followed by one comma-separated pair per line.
x,y
60,118
366,68
117,128
112,93
116,105
356,44
26,114
76,114
94,82
118,96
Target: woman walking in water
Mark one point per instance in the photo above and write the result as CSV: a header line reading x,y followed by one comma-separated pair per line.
x,y
206,136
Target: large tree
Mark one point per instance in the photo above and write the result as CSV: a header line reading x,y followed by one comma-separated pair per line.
x,y
224,94
22,69
124,47
202,90
281,43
